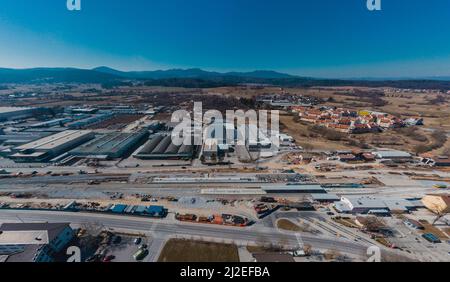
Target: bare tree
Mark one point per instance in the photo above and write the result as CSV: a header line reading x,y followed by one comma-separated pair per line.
x,y
93,228
307,249
332,254
373,224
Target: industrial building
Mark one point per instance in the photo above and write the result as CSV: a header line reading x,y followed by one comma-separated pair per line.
x,y
391,155
33,242
50,123
111,145
52,146
14,113
12,137
371,205
19,138
160,146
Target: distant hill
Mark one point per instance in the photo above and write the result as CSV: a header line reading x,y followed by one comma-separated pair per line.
x,y
198,78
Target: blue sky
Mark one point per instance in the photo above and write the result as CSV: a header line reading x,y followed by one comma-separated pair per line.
x,y
322,38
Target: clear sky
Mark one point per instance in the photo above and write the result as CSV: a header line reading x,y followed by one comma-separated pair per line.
x,y
323,38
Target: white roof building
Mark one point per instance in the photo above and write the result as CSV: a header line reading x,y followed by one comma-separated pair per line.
x,y
392,154
365,204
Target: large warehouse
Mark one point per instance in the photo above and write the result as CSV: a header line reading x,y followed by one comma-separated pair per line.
x,y
367,204
111,145
13,113
160,146
52,146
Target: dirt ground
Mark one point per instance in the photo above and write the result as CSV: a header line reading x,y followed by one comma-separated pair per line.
x,y
288,225
177,250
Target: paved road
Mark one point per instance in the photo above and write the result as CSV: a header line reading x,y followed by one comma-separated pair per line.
x,y
156,247
167,228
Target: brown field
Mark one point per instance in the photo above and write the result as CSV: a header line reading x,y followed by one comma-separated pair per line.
x,y
288,225
177,250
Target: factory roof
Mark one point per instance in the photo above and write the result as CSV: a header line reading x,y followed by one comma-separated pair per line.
x,y
108,143
55,140
32,237
367,202
21,242
161,145
32,155
51,229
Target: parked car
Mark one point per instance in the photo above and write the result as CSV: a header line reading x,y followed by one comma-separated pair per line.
x,y
143,247
431,238
117,240
137,241
109,258
141,254
298,253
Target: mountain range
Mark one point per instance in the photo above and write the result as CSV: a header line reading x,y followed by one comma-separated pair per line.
x,y
105,74
200,78
189,73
